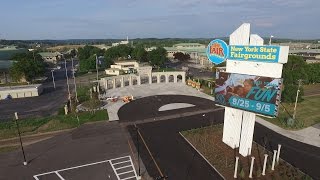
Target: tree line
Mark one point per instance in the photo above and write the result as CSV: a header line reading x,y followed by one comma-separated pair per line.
x,y
294,70
87,56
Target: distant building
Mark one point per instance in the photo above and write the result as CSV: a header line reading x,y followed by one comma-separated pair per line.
x,y
20,91
150,48
52,57
121,42
309,55
196,51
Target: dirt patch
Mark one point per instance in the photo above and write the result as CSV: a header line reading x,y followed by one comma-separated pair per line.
x,y
208,141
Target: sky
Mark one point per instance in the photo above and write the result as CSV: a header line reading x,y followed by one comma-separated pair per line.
x,y
114,19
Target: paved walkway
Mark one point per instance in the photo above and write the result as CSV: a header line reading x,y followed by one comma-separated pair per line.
x,y
149,90
310,135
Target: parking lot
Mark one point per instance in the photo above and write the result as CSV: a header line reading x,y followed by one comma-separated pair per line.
x,y
120,168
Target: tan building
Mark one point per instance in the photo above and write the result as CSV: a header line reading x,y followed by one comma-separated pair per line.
x,y
51,57
196,51
123,67
20,91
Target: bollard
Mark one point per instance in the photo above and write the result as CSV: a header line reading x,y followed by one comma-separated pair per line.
x,y
278,155
236,167
264,164
274,159
251,167
65,109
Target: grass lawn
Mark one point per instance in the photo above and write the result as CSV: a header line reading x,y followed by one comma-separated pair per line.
x,y
208,141
308,113
8,149
47,124
311,86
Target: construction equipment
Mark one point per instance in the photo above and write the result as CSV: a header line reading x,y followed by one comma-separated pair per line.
x,y
127,99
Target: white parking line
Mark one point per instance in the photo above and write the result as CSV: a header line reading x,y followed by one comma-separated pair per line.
x,y
59,176
90,164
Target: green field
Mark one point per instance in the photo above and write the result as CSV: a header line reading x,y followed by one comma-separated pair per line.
x,y
47,124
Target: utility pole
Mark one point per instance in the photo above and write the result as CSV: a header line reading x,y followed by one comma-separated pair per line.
x,y
54,84
97,67
65,66
295,105
17,124
74,81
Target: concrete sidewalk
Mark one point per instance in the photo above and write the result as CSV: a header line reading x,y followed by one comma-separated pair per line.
x,y
310,135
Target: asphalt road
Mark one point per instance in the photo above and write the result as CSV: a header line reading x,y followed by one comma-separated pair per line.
x,y
88,144
173,155
176,158
46,104
148,107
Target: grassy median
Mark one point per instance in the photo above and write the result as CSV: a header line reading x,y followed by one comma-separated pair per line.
x,y
48,124
307,115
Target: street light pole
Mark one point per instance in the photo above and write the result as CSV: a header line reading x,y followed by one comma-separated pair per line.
x,y
54,84
74,81
270,40
65,66
17,124
295,104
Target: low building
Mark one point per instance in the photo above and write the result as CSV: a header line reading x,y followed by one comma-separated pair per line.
x,y
123,67
20,91
114,71
121,42
196,51
52,57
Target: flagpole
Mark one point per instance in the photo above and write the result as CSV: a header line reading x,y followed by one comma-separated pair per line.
x,y
97,73
97,67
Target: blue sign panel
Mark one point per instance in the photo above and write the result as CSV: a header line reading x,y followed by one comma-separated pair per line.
x,y
217,51
254,53
248,92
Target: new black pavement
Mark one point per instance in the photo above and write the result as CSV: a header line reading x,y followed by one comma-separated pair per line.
x,y
174,156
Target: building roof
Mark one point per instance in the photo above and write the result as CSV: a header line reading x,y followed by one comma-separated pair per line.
x,y
189,50
114,69
5,88
50,54
188,44
125,61
316,51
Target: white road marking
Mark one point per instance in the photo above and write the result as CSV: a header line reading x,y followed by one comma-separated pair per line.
x,y
36,177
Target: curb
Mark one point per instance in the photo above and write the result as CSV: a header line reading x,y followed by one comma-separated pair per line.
x,y
201,155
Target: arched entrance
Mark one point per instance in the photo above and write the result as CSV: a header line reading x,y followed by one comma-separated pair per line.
x,y
162,79
144,79
171,78
154,79
179,78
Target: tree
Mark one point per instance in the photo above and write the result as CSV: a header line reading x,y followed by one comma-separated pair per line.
x,y
313,72
140,54
181,56
293,70
27,65
87,57
157,57
73,53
